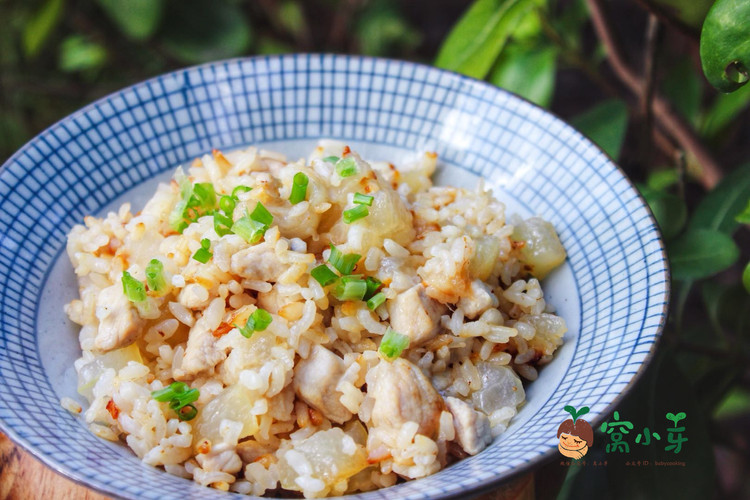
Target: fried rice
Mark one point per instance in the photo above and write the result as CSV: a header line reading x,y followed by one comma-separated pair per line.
x,y
313,402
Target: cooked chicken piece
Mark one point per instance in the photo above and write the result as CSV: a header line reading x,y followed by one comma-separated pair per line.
x,y
402,393
446,274
473,430
315,380
251,450
415,315
258,262
119,322
478,299
201,352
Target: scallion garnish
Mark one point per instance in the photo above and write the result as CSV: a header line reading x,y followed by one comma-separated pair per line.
x,y
373,284
344,263
323,275
180,397
155,276
257,322
203,254
184,398
299,188
204,197
362,199
240,189
331,159
222,224
134,290
227,204
346,167
350,288
196,200
177,215
375,301
262,215
170,392
187,412
248,229
356,213
393,344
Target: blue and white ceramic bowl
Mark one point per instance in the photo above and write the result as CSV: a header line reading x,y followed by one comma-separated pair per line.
x,y
612,290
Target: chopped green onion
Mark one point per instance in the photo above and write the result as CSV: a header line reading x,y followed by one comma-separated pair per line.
x,y
344,263
393,344
299,188
323,275
262,215
375,301
177,215
204,196
134,290
180,397
155,276
222,224
331,159
356,213
240,189
346,167
227,204
261,319
184,398
170,392
187,412
363,199
257,322
203,254
249,230
372,286
350,288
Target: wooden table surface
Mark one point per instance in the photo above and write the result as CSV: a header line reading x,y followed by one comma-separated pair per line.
x,y
22,477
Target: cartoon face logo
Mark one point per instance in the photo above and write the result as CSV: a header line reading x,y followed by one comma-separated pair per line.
x,y
576,435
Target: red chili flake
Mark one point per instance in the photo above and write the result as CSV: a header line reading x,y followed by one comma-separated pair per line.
x,y
113,409
222,329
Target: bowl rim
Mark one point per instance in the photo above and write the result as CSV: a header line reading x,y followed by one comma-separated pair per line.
x,y
486,485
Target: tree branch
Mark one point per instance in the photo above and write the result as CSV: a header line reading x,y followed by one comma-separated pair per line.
x,y
665,115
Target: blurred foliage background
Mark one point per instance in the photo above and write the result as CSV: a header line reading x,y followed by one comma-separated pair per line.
x,y
627,73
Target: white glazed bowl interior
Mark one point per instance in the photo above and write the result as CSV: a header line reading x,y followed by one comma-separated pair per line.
x,y
612,290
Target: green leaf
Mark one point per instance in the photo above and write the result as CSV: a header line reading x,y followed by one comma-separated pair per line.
x,y
669,210
700,253
605,124
202,31
691,12
725,108
725,44
735,403
137,19
527,71
381,29
683,85
744,216
476,40
79,54
718,209
40,26
529,28
746,277
292,17
662,179
268,45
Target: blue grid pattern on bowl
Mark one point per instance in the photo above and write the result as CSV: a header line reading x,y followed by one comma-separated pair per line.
x,y
81,163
